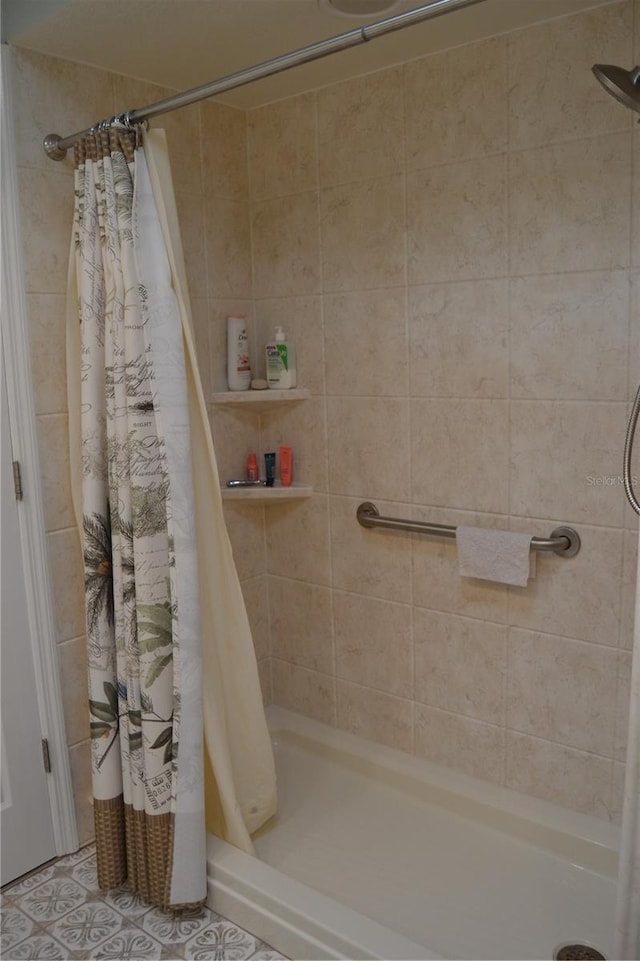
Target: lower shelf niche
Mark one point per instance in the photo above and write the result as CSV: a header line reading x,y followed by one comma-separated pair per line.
x,y
267,495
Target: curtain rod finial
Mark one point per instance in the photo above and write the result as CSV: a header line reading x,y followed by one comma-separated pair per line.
x,y
51,148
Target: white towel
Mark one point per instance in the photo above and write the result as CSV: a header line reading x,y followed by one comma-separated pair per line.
x,y
495,555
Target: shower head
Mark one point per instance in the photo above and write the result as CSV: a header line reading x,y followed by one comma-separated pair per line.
x,y
622,84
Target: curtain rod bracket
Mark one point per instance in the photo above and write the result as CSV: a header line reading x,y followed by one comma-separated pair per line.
x,y
51,148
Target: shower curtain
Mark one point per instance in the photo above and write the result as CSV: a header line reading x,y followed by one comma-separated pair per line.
x,y
169,647
627,931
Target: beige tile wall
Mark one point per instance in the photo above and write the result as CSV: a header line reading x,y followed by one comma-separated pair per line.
x,y
448,242
212,199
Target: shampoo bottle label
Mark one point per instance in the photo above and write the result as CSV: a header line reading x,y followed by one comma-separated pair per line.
x,y
281,365
275,366
242,360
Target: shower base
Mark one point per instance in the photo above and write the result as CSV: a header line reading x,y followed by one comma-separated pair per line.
x,y
374,854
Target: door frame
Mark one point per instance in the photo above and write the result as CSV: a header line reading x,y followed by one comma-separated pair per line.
x,y
24,443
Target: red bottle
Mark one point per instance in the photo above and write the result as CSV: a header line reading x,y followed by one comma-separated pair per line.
x,y
253,474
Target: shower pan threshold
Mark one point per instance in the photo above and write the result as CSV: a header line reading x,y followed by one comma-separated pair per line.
x,y
377,854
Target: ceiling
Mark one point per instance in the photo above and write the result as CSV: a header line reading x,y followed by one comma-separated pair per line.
x,y
184,43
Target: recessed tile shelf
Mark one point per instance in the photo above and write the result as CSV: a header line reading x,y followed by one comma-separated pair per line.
x,y
258,401
267,495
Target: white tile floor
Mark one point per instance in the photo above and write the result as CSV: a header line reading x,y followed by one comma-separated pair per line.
x,y
58,912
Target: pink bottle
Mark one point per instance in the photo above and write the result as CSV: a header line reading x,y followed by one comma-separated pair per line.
x,y
253,474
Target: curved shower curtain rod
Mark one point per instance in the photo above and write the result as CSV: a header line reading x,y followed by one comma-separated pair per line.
x,y
56,147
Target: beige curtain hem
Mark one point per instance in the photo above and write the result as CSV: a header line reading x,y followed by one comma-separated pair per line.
x,y
238,745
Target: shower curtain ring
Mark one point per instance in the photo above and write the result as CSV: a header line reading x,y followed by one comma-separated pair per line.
x,y
122,120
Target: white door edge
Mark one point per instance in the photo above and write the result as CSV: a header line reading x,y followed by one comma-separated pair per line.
x,y
15,344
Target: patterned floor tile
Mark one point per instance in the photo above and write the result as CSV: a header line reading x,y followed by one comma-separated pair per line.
x,y
171,927
49,901
14,927
222,941
5,901
173,953
129,943
86,873
110,926
87,926
127,902
70,859
31,881
39,947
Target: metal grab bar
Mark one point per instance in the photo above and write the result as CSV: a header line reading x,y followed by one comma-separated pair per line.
x,y
564,541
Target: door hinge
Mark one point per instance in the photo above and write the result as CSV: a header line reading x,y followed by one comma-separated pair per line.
x,y
46,757
17,480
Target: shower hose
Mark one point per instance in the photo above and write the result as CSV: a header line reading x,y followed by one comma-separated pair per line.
x,y
628,448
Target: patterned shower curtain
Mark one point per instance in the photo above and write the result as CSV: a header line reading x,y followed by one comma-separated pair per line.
x,y
141,579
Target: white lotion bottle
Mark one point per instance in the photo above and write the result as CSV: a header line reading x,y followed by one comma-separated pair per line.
x,y
281,362
238,365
